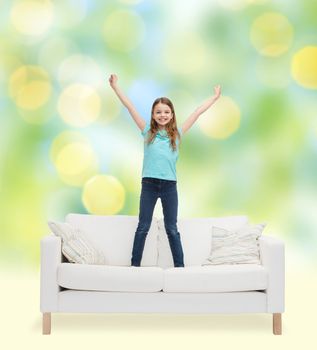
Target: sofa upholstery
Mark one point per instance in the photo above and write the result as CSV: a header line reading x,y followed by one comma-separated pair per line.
x,y
110,278
195,232
156,286
114,235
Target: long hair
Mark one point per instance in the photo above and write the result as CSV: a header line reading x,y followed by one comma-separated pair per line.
x,y
171,127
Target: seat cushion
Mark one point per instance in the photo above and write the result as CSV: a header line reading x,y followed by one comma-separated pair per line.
x,y
215,278
110,278
195,237
113,235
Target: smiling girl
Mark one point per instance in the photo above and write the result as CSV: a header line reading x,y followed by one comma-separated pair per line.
x,y
161,142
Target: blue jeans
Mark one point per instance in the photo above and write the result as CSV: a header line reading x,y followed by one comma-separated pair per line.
x,y
152,189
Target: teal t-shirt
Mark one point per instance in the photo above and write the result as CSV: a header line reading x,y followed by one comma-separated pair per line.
x,y
159,158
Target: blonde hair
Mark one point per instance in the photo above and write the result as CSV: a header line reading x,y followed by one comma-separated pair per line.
x,y
171,127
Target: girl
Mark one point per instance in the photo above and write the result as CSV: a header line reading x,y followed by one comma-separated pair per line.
x,y
162,138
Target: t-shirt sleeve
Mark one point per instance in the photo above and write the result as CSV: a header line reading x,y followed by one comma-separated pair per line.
x,y
146,129
180,131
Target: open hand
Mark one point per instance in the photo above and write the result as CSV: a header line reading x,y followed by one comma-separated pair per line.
x,y
217,91
113,80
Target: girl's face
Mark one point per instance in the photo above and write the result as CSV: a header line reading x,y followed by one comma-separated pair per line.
x,y
162,114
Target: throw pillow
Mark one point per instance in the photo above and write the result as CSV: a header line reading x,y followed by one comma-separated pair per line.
x,y
235,246
75,246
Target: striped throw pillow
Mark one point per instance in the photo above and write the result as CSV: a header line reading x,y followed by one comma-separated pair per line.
x,y
239,246
75,246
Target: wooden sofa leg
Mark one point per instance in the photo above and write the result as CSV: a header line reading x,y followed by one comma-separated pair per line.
x,y
46,323
277,324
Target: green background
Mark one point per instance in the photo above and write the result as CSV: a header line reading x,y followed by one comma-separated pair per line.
x,y
265,167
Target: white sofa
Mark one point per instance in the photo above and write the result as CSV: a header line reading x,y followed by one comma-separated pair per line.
x,y
156,286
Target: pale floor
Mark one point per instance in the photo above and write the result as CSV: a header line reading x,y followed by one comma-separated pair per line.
x,y
20,322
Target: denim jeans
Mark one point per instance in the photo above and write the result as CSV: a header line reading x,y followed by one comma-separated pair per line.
x,y
152,189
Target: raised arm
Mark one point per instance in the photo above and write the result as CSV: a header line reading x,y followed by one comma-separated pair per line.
x,y
201,109
126,102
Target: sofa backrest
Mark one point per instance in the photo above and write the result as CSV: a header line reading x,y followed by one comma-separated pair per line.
x,y
195,237
114,236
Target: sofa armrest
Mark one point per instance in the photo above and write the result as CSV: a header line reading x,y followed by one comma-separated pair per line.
x,y
51,256
272,254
